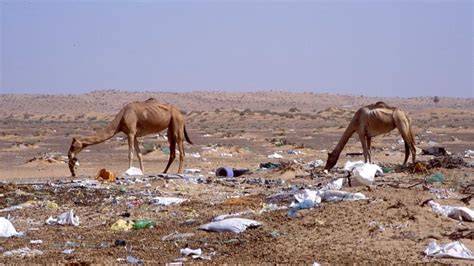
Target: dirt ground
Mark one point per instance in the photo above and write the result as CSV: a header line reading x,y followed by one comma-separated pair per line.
x,y
390,226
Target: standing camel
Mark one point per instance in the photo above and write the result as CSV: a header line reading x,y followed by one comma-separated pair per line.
x,y
138,119
373,120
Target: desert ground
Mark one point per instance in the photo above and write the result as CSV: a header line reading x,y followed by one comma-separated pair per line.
x,y
238,130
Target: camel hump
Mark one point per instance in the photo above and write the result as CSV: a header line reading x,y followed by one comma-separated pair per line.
x,y
151,100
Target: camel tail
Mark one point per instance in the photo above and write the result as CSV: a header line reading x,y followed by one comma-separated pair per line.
x,y
187,137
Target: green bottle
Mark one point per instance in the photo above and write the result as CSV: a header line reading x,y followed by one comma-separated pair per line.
x,y
143,223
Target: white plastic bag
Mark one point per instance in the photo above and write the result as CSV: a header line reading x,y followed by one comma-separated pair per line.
x,y
450,250
166,200
234,225
457,213
306,200
23,252
365,174
133,171
66,218
7,229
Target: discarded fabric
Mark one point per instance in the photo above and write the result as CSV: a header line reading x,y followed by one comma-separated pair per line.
x,y
64,219
450,250
7,229
234,225
165,201
457,213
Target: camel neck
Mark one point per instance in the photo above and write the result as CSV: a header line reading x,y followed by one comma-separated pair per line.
x,y
343,141
99,137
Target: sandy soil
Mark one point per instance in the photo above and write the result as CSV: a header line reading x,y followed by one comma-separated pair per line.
x,y
237,130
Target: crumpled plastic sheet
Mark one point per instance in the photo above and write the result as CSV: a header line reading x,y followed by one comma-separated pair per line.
x,y
457,213
166,201
195,253
364,173
23,205
234,225
66,218
23,252
7,229
339,195
450,250
306,200
133,171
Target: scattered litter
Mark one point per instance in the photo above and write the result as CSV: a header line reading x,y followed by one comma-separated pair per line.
x,y
275,156
442,193
457,213
106,175
349,166
269,166
166,201
195,155
7,229
339,195
448,162
24,205
234,225
133,260
450,250
122,225
120,242
226,154
192,171
314,164
294,152
306,200
469,154
64,219
68,251
436,178
36,241
230,172
435,151
133,171
52,205
23,252
334,185
177,236
143,223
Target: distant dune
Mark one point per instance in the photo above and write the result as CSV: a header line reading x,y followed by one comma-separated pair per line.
x,y
109,101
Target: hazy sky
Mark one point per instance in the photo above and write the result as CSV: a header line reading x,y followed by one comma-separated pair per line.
x,y
377,48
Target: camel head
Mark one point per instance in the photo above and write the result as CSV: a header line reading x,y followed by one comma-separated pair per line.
x,y
76,147
332,160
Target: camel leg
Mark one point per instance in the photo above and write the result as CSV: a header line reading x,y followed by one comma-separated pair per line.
x,y
131,145
369,147
172,141
180,142
139,154
404,128
363,141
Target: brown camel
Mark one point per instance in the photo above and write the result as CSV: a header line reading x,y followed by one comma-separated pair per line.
x,y
138,119
373,120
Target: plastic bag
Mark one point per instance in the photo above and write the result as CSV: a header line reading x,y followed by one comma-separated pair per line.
x,y
450,250
133,171
306,200
457,213
234,225
64,219
339,195
7,229
166,201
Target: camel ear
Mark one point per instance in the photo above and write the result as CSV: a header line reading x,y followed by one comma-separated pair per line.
x,y
74,139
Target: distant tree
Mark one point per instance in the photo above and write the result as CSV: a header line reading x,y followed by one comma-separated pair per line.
x,y
436,99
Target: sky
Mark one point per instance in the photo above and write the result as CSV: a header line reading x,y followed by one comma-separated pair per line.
x,y
373,48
